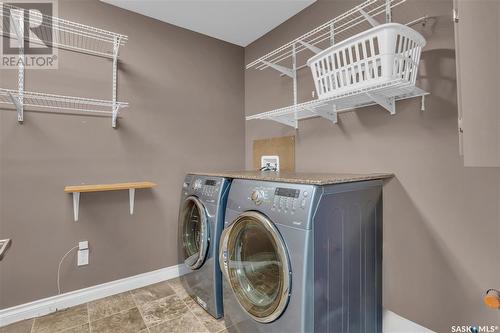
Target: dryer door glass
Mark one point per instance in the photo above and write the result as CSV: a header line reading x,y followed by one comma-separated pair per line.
x,y
195,233
258,267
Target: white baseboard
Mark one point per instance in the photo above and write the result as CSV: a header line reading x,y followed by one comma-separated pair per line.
x,y
394,323
51,304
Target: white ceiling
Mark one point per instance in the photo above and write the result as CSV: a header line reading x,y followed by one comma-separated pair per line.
x,y
235,21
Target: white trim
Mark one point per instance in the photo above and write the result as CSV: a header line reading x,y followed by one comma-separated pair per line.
x,y
51,304
394,323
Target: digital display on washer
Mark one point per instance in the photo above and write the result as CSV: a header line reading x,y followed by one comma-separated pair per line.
x,y
210,182
287,192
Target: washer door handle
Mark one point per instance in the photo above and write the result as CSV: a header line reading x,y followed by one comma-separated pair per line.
x,y
223,255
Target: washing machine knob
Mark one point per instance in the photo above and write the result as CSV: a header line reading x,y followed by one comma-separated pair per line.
x,y
198,184
257,196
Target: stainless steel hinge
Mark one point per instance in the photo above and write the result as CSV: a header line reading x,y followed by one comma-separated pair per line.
x,y
460,125
455,15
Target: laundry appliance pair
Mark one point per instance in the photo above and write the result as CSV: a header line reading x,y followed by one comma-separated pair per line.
x,y
295,255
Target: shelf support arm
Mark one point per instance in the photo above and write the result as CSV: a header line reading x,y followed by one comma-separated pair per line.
x,y
329,115
291,123
116,47
332,33
285,121
370,19
388,11
131,195
279,68
18,24
18,105
388,103
76,205
311,47
114,118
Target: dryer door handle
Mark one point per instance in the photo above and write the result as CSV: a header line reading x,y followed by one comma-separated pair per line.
x,y
223,255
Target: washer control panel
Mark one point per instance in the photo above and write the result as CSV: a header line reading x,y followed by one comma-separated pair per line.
x,y
209,188
203,187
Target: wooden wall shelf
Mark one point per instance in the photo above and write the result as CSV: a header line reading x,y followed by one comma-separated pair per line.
x,y
131,187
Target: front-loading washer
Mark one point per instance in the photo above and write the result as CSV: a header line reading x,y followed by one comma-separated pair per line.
x,y
302,258
201,220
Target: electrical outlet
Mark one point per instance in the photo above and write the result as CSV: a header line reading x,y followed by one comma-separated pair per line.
x,y
83,253
270,161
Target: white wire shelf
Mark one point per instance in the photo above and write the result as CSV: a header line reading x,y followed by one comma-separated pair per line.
x,y
341,27
385,95
59,103
64,34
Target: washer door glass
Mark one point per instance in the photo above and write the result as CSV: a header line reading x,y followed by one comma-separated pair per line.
x,y
258,267
194,232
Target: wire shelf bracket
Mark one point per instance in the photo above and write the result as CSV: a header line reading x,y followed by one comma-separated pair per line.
x,y
67,35
388,103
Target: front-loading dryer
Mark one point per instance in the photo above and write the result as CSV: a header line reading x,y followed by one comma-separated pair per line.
x,y
201,220
302,258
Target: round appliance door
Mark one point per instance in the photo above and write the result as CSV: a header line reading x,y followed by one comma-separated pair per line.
x,y
255,262
195,232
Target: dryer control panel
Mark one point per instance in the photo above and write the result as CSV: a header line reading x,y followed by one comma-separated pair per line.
x,y
281,199
289,199
284,203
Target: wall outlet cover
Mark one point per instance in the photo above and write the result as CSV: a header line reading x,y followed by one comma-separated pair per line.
x,y
83,245
272,161
83,257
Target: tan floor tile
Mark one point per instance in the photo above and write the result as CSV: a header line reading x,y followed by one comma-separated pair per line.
x,y
213,325
152,293
19,327
178,288
124,322
161,310
186,323
80,329
60,320
108,306
230,329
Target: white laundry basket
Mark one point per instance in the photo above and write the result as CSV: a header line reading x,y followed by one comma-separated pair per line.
x,y
386,53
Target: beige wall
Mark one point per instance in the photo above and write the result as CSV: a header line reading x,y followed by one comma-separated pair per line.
x,y
442,229
186,113
442,232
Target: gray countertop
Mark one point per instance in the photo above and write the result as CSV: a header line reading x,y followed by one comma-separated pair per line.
x,y
299,178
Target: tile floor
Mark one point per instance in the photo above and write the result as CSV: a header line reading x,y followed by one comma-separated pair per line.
x,y
158,308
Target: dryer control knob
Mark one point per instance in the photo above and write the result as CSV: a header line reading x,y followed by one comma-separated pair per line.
x,y
257,196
